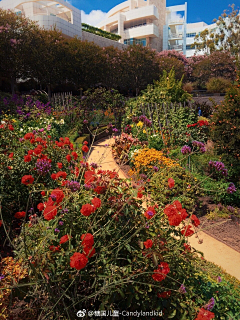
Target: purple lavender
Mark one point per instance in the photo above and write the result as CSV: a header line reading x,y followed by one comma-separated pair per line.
x,y
182,289
186,150
145,120
231,188
2,276
57,230
143,176
61,223
94,165
209,306
155,168
43,167
73,185
218,166
219,279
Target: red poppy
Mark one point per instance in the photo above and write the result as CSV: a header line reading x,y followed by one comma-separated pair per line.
x,y
59,195
11,155
177,204
59,164
68,157
170,210
85,148
43,193
187,231
10,127
100,189
30,152
184,214
148,243
171,183
20,215
78,261
161,272
187,247
29,136
96,203
75,155
150,212
64,239
54,249
54,176
40,206
85,142
27,158
195,220
61,174
205,315
50,212
87,209
28,179
87,240
89,176
89,252
175,220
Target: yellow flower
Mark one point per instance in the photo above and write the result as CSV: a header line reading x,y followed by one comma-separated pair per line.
x,y
140,124
144,131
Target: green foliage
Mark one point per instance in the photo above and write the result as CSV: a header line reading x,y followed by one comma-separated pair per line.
x,y
99,32
186,187
219,84
155,142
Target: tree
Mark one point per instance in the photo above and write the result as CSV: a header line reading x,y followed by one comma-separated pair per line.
x,y
225,37
140,67
16,43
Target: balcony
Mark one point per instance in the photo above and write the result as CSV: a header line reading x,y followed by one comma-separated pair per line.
x,y
177,47
142,31
176,22
148,12
174,36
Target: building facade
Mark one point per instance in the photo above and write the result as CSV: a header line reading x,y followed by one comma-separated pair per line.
x,y
48,14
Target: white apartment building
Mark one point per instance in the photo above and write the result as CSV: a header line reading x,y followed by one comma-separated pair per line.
x,y
152,24
48,13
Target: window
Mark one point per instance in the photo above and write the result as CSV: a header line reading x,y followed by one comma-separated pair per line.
x,y
142,41
18,13
191,35
189,47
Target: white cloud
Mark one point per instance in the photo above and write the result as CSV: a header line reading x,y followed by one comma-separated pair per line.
x,y
94,17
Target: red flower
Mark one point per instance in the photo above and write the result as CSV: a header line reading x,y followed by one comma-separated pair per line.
x,y
183,214
187,231
54,249
10,127
195,220
59,195
85,148
78,261
89,252
64,239
89,176
43,193
50,212
0,223
29,136
175,220
100,189
85,142
61,174
164,294
11,155
150,212
20,215
178,205
59,164
148,243
27,179
27,158
87,209
75,155
171,183
40,206
170,210
76,172
87,240
37,150
161,272
54,176
96,203
68,157
205,315
187,247
30,152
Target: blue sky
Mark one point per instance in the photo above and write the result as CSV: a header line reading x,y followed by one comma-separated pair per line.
x,y
198,10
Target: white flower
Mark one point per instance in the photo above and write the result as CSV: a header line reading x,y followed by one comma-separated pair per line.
x,y
21,129
3,122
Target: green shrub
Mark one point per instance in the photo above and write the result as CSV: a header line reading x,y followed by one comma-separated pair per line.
x,y
219,84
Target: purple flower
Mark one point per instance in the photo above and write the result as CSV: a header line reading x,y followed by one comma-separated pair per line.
x,y
61,223
182,289
2,276
209,306
143,176
231,188
85,121
147,226
41,130
219,279
94,165
155,168
218,166
21,139
43,167
186,150
231,209
150,213
115,130
57,230
73,186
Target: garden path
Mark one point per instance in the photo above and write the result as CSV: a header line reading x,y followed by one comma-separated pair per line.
x,y
213,250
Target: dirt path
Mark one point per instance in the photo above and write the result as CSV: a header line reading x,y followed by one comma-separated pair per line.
x,y
214,250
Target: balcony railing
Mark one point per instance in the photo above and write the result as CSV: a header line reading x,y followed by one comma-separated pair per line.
x,y
178,21
175,36
176,47
135,26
